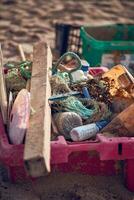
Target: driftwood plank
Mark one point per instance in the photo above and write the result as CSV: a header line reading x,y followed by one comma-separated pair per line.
x,y
37,145
123,123
3,95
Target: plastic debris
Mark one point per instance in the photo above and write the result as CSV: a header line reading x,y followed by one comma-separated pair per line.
x,y
58,85
78,76
83,99
97,100
87,131
85,67
86,93
63,96
72,104
19,117
66,121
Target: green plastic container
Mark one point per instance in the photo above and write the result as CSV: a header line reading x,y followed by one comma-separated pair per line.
x,y
113,42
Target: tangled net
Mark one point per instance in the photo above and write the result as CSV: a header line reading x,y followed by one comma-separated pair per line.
x,y
102,111
59,85
89,110
72,104
14,83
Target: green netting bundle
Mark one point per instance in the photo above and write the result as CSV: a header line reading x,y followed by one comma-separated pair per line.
x,y
72,104
59,85
14,82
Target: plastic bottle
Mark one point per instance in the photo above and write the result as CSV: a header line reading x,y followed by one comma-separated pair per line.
x,y
86,93
85,67
87,131
78,76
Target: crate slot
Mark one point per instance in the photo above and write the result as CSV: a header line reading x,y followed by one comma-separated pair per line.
x,y
120,148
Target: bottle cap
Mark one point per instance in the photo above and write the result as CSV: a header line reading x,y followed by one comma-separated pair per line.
x,y
85,65
102,124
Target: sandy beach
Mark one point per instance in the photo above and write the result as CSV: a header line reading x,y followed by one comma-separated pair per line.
x,y
28,21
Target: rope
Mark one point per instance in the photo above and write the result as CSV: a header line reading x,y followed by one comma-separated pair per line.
x,y
59,85
55,68
72,104
24,68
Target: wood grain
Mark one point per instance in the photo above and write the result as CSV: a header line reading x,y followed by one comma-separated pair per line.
x,y
3,95
37,145
123,123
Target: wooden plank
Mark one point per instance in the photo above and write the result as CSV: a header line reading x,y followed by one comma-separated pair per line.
x,y
21,52
3,95
37,145
122,124
23,57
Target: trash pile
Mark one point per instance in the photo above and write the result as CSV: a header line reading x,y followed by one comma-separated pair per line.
x,y
83,103
15,97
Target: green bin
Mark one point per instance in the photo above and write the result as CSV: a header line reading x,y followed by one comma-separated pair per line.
x,y
108,45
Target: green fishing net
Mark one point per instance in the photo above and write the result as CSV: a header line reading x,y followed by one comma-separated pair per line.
x,y
72,104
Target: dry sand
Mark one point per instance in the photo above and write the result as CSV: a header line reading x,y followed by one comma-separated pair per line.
x,y
31,20
67,187
26,22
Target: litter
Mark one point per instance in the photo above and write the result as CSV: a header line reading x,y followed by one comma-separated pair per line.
x,y
66,154
122,124
78,98
14,76
63,96
102,113
120,82
19,117
74,64
72,104
87,131
86,93
14,82
24,68
59,85
78,76
66,121
97,96
85,67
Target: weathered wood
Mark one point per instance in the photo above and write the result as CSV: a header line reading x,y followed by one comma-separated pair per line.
x,y
37,145
23,57
3,95
21,52
122,124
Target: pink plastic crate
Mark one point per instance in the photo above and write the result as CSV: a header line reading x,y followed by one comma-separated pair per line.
x,y
99,157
